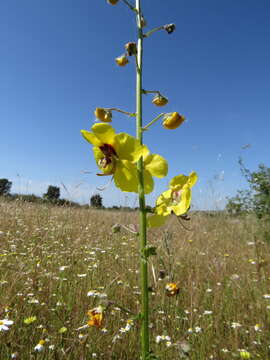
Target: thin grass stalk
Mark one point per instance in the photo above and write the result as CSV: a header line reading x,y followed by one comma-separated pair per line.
x,y
143,230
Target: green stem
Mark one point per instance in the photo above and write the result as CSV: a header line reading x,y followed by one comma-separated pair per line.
x,y
153,31
143,234
122,111
153,121
151,92
129,5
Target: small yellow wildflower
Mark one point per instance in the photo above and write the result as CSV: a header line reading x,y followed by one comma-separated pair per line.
x,y
171,289
122,60
62,330
96,316
173,120
103,115
244,354
30,320
160,100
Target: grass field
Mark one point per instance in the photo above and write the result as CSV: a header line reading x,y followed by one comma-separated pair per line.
x,y
57,263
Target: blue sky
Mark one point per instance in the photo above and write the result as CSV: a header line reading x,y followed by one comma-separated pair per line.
x,y
57,64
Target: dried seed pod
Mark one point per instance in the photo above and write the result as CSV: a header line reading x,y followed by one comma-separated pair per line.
x,y
169,28
131,48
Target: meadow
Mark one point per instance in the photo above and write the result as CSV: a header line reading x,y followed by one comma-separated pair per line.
x,y
57,263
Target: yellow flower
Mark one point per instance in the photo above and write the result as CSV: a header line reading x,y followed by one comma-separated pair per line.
x,y
175,200
117,154
30,320
160,100
112,2
173,120
95,316
121,60
103,115
171,289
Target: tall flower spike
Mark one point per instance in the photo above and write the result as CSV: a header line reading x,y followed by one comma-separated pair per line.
x,y
175,200
122,60
173,120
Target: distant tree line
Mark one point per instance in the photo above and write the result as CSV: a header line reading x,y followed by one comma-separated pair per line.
x,y
52,196
254,200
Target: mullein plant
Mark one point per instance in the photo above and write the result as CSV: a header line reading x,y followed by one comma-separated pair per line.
x,y
132,166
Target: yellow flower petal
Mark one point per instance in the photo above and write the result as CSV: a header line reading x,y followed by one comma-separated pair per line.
x,y
128,148
193,177
183,206
163,203
156,165
125,176
179,181
148,182
105,133
156,220
91,138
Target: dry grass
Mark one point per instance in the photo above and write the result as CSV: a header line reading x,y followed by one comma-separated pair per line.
x,y
51,257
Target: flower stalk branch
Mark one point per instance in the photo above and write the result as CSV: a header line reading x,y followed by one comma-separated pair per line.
x,y
150,32
122,111
152,122
129,5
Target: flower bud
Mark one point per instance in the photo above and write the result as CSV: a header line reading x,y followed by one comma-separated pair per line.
x,y
159,100
169,28
112,2
172,120
103,115
121,60
131,48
